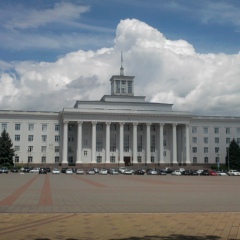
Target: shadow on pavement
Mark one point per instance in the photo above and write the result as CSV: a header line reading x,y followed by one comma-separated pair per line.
x,y
171,237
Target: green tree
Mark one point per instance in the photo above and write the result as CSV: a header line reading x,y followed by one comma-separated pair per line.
x,y
233,155
6,149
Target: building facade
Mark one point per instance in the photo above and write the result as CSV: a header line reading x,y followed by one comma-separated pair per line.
x,y
120,129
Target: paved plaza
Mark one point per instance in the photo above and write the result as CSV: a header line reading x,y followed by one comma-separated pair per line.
x,y
64,206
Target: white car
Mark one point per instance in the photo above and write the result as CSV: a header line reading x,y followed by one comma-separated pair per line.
x,y
34,170
80,171
233,173
103,171
122,170
90,171
69,171
55,171
221,173
176,173
114,171
128,172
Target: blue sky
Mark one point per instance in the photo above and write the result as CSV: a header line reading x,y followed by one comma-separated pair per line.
x,y
44,30
182,52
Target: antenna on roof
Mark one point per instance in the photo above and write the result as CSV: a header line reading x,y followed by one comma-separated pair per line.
x,y
121,69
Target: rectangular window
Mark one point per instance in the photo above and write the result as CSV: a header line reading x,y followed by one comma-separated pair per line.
x,y
112,159
113,127
17,127
57,138
85,153
99,159
44,127
126,143
153,143
205,130
44,138
16,148
17,138
56,149
43,159
164,153
216,130
123,87
30,138
194,130
194,159
56,159
4,126
126,127
217,159
205,159
99,127
43,148
70,127
30,149
30,126
99,143
205,140
153,128
139,142
113,143
164,142
16,159
216,149
194,149
152,159
140,128
227,130
129,87
30,159
118,86
139,159
57,127
227,140
205,150
216,140
194,140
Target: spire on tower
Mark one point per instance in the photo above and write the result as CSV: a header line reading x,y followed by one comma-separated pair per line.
x,y
121,69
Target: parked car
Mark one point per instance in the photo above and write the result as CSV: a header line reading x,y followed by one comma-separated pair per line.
x,y
161,172
204,173
139,172
34,170
14,169
42,171
103,171
113,171
4,170
80,171
26,169
167,170
152,172
128,172
74,170
213,173
55,171
96,170
63,170
48,169
69,171
90,171
221,173
187,172
233,173
122,170
176,173
195,173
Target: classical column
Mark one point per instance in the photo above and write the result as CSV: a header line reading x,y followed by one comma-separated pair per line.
x,y
148,144
174,143
187,145
65,143
79,143
161,155
93,142
134,143
107,160
121,143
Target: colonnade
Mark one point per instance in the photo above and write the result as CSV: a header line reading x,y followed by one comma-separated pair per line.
x,y
121,142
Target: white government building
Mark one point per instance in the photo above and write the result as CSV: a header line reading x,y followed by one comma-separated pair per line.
x,y
120,129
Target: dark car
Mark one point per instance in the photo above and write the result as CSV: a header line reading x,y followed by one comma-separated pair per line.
x,y
4,170
161,172
205,173
42,171
47,169
63,170
14,169
195,173
139,172
74,170
187,172
26,169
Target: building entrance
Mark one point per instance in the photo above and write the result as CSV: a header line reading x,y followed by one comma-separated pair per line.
x,y
127,161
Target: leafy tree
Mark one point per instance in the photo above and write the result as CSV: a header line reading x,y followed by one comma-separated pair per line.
x,y
6,149
233,155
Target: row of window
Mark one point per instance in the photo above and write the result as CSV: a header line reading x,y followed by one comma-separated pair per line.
x,y
31,138
216,140
205,130
30,159
30,127
205,149
30,149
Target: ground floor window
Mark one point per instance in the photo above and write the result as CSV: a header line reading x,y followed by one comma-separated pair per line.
x,y
56,159
139,159
17,159
152,159
206,160
112,159
217,159
43,159
99,159
194,159
30,159
70,159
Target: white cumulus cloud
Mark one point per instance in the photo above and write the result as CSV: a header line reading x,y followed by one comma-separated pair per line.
x,y
165,71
